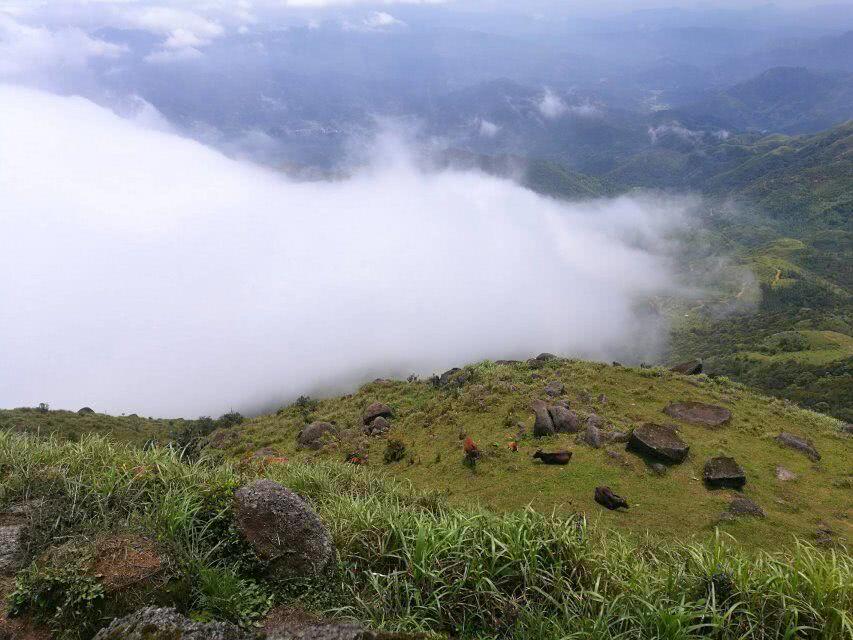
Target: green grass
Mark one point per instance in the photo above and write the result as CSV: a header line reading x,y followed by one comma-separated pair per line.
x,y
431,422
409,560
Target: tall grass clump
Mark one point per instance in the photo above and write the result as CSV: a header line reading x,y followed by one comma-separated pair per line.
x,y
408,560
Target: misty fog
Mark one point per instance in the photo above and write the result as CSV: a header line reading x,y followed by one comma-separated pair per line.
x,y
145,272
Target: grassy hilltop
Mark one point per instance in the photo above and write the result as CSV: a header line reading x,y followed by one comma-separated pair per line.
x,y
431,421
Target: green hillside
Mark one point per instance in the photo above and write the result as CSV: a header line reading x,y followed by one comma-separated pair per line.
x,y
490,402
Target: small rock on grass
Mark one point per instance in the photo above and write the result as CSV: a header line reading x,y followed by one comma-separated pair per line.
x,y
784,475
803,445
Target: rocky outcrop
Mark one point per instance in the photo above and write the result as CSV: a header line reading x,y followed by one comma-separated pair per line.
x,y
606,498
564,419
153,623
312,436
85,411
283,530
689,368
543,425
660,442
803,445
706,415
724,472
376,410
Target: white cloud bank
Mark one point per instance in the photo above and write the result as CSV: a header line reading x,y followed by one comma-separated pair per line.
x,y
143,272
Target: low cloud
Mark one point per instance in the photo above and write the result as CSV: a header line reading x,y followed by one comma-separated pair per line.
x,y
551,105
144,272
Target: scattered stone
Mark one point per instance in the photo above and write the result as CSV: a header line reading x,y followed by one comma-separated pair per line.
x,y
311,437
540,360
563,403
723,471
596,421
555,388
283,530
743,507
617,456
154,623
707,415
375,410
564,420
658,469
824,536
660,442
542,426
784,475
455,376
591,436
689,368
85,410
602,399
558,457
606,498
803,445
378,427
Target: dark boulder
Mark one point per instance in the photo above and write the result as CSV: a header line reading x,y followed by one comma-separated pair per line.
x,y
154,623
804,445
564,419
689,368
555,388
542,426
724,472
85,410
312,436
376,410
706,415
283,530
606,498
660,442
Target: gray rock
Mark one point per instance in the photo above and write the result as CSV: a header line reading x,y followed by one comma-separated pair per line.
x,y
564,419
619,436
804,445
12,548
375,410
153,623
784,475
658,469
743,507
592,436
84,411
378,427
311,437
723,471
283,530
555,388
847,427
542,426
660,442
689,368
602,399
706,415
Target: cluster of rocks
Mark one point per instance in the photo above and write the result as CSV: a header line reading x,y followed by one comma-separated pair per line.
x,y
556,418
376,418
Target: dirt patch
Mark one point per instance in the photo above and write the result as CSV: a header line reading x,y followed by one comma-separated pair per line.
x,y
125,560
17,628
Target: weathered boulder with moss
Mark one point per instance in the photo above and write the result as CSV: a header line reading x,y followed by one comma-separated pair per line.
x,y
314,435
706,415
154,623
283,530
543,425
660,442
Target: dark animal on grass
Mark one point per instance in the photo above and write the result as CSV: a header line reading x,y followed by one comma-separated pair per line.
x,y
558,457
606,498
